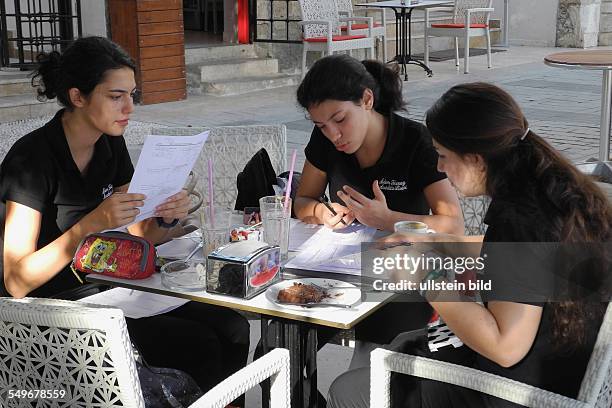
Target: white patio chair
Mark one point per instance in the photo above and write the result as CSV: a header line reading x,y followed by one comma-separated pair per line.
x,y
470,19
85,350
595,390
379,29
230,148
321,30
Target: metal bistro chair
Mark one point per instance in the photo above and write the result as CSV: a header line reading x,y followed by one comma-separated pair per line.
x,y
84,352
595,390
379,29
470,19
321,30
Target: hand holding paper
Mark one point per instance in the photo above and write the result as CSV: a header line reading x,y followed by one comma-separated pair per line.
x,y
163,168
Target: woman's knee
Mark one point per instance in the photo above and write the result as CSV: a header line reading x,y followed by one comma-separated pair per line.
x,y
350,390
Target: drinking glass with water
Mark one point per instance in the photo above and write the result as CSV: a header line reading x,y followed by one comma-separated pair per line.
x,y
275,215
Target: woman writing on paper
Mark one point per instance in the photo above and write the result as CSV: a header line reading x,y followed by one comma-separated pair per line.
x,y
379,166
69,178
535,326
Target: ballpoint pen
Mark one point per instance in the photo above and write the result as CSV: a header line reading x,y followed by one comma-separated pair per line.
x,y
323,200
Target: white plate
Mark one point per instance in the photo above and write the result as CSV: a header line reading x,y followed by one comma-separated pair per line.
x,y
340,292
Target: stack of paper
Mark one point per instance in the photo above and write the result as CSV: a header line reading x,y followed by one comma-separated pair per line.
x,y
326,250
134,303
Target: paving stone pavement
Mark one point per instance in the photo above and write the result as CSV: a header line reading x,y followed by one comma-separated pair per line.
x,y
561,105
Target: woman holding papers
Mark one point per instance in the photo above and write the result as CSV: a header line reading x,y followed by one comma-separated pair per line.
x,y
69,178
379,166
536,325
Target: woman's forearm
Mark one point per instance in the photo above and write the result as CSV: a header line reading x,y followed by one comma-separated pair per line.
x,y
24,274
307,210
504,335
150,230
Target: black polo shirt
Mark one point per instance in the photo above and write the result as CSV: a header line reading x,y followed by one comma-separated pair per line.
x,y
39,172
407,165
546,366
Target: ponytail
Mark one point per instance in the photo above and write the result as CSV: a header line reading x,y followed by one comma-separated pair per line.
x,y
48,74
343,78
389,96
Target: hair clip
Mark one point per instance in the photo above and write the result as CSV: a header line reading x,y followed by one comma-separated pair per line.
x,y
525,134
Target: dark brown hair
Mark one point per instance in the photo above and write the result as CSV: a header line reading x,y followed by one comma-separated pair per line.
x,y
343,78
82,65
480,118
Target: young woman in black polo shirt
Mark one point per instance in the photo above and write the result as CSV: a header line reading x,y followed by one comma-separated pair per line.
x,y
69,178
526,331
380,167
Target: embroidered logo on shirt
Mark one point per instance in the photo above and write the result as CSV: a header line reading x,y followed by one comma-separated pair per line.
x,y
107,191
392,185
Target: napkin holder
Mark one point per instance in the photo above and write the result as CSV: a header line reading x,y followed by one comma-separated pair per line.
x,y
242,269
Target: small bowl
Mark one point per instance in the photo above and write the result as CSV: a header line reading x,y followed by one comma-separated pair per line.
x,y
187,275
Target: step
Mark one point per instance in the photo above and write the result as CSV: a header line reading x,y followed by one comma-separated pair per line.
x,y
243,85
197,55
18,107
234,68
20,86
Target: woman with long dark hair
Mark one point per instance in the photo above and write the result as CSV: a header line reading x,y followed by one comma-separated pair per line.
x,y
525,331
70,178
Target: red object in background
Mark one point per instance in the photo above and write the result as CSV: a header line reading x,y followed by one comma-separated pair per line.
x,y
243,21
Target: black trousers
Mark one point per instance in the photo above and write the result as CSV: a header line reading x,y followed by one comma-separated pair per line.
x,y
352,389
208,342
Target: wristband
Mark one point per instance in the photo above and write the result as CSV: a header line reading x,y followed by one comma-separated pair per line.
x,y
162,224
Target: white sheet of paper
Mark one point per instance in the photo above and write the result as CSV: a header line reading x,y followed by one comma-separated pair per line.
x,y
163,167
134,303
327,250
300,232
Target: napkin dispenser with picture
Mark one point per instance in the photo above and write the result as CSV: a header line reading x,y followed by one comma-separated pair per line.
x,y
242,269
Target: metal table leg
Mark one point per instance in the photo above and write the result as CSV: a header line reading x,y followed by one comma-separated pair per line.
x,y
604,126
265,385
311,365
301,341
403,43
505,22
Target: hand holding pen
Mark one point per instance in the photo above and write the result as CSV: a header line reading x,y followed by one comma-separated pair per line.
x,y
332,222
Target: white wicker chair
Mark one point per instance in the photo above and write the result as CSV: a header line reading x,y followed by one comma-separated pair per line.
x,y
230,147
470,19
321,30
379,29
595,390
474,210
84,350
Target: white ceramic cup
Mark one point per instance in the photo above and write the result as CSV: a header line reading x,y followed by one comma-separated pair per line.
x,y
413,227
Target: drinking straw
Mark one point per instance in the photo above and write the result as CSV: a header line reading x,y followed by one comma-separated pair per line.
x,y
211,201
288,189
